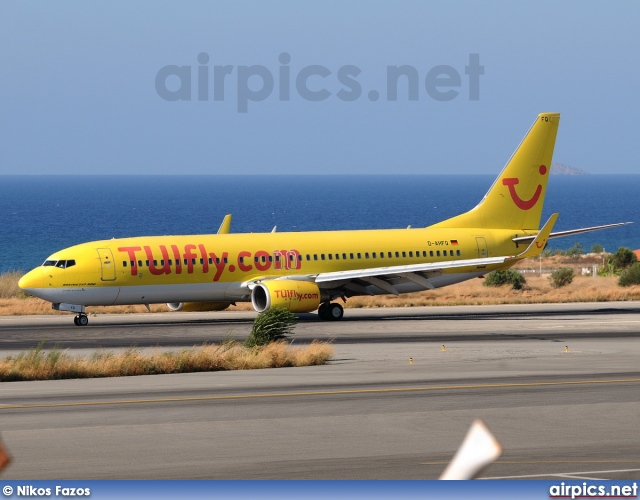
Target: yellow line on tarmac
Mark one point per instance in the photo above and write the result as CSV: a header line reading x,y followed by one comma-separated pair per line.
x,y
321,393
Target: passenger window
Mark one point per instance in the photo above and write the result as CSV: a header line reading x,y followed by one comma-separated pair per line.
x,y
397,254
458,253
155,263
366,255
410,254
147,262
124,263
390,255
139,263
359,255
315,256
322,256
271,258
337,256
170,262
226,260
373,255
344,256
133,263
210,260
382,255
308,257
404,254
330,257
430,253
351,256
438,253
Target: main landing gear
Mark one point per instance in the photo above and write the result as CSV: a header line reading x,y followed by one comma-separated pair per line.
x,y
81,320
330,311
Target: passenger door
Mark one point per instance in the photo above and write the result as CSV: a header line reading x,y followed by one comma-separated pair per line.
x,y
107,265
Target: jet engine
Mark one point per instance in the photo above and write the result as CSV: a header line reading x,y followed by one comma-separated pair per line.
x,y
295,296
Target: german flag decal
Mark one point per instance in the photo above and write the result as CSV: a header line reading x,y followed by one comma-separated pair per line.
x,y
454,242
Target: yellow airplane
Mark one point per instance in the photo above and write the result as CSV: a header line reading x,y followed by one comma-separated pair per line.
x,y
303,272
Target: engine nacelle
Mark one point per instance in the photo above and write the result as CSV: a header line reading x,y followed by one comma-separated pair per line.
x,y
198,306
295,296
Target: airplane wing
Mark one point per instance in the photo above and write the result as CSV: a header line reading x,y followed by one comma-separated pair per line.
x,y
225,227
381,277
561,234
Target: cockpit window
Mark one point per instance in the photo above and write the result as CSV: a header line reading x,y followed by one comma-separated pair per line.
x,y
62,264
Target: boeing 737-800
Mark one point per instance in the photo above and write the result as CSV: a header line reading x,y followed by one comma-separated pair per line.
x,y
306,271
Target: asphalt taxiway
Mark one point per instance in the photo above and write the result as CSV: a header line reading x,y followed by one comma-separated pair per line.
x,y
559,385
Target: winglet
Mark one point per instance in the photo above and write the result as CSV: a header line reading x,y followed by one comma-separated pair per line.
x,y
225,227
537,245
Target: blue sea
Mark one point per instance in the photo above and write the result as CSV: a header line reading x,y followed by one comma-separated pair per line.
x,y
42,214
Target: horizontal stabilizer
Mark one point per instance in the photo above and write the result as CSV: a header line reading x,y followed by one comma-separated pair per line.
x,y
540,241
561,234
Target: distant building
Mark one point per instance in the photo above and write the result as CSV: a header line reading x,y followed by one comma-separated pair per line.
x,y
637,252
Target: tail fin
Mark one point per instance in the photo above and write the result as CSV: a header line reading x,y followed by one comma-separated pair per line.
x,y
515,199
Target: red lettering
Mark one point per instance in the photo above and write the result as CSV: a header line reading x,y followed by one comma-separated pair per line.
x,y
260,264
244,267
131,252
176,256
205,262
219,263
293,260
153,269
189,257
279,256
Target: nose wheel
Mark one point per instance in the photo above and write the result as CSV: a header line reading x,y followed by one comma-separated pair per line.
x,y
81,320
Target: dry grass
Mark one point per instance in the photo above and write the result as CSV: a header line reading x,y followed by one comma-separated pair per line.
x,y
538,290
40,365
9,285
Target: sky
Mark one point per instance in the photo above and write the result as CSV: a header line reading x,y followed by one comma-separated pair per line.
x,y
316,87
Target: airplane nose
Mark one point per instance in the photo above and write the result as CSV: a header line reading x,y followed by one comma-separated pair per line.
x,y
33,279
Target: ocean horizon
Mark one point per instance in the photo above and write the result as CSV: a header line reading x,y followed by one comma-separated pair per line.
x,y
42,214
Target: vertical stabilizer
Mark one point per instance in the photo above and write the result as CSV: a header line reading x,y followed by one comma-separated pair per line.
x,y
515,199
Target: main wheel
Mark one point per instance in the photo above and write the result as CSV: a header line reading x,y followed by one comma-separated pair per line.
x,y
335,312
75,321
83,320
322,311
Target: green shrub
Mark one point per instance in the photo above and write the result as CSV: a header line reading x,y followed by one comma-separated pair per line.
x,y
575,251
509,277
623,258
271,325
630,275
597,248
561,277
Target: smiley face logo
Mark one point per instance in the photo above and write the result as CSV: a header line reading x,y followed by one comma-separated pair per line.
x,y
520,203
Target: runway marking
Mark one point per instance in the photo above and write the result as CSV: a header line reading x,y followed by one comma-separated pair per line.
x,y
564,474
320,393
529,462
